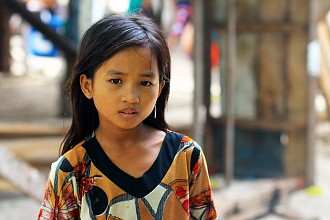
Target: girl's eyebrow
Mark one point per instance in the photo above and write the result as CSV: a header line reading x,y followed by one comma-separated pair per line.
x,y
149,74
113,72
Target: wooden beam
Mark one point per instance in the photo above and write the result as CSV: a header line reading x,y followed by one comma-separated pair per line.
x,y
24,177
63,44
14,130
267,125
264,27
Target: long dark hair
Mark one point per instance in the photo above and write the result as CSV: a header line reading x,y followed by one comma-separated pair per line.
x,y
101,41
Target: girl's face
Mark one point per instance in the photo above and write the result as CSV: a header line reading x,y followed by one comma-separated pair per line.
x,y
125,88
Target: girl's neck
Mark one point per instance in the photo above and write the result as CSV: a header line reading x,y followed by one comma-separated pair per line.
x,y
122,136
140,146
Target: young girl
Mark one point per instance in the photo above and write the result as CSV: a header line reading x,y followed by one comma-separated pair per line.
x,y
119,158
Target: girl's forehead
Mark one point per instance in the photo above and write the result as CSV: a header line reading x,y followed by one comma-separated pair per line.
x,y
137,58
143,52
133,55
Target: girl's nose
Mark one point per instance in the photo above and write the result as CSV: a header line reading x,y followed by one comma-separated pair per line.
x,y
131,95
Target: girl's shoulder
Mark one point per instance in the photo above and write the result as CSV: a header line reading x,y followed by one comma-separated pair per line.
x,y
186,143
74,156
190,151
77,153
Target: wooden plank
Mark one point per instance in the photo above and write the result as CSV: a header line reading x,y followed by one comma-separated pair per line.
x,y
37,151
296,77
251,213
247,10
250,199
246,74
287,213
271,92
295,154
32,129
324,82
268,125
296,98
273,10
24,177
299,11
323,34
260,195
265,27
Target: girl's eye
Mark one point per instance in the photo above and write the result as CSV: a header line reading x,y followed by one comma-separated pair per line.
x,y
115,81
145,83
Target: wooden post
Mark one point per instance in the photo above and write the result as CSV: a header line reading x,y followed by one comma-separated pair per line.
x,y
4,38
313,72
230,80
202,70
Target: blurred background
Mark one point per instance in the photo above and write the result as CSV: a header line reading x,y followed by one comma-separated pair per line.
x,y
250,83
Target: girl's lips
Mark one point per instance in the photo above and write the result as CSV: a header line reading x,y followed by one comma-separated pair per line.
x,y
128,113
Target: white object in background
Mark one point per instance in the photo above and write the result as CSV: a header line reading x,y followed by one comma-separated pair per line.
x,y
313,58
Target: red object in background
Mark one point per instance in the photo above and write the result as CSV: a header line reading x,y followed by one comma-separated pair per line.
x,y
215,54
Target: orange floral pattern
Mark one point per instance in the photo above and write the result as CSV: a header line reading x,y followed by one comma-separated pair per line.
x,y
59,207
204,200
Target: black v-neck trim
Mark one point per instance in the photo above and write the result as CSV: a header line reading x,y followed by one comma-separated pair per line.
x,y
141,186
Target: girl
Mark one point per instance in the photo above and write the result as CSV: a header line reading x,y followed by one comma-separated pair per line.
x,y
119,158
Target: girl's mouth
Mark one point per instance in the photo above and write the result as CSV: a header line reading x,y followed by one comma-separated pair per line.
x,y
128,113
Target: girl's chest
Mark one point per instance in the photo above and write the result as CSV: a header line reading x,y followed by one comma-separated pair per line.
x,y
135,163
108,200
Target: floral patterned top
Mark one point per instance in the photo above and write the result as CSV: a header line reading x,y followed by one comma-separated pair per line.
x,y
85,184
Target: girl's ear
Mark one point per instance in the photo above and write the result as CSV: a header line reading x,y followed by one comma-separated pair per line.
x,y
161,86
86,86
